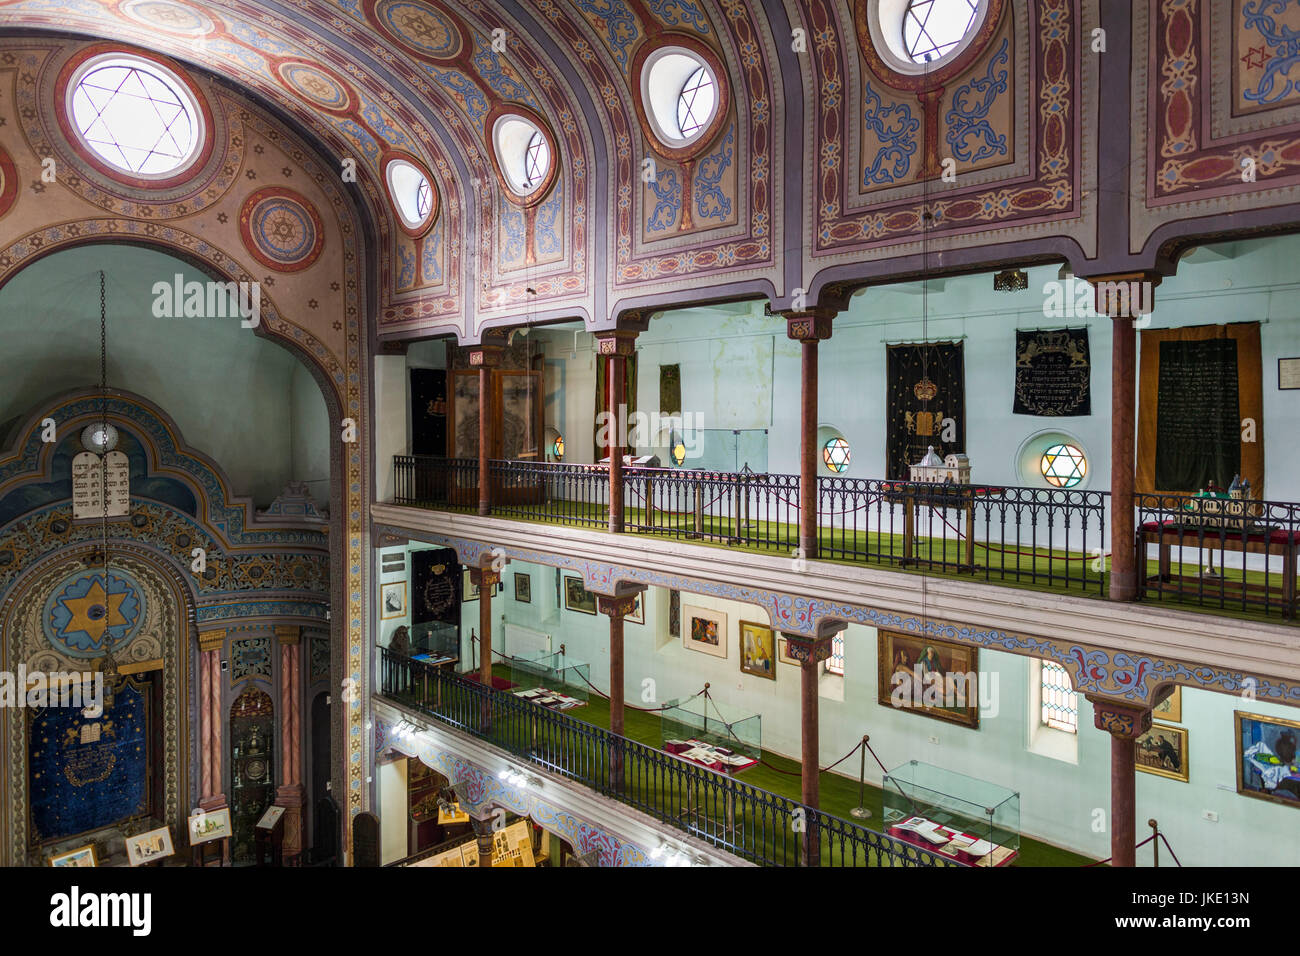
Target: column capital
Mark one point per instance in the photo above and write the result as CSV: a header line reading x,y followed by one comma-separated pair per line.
x,y
1120,719
288,633
1124,295
808,650
485,356
212,640
485,577
811,325
616,342
619,605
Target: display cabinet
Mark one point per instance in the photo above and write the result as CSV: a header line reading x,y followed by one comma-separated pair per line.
x,y
697,729
435,643
964,818
551,680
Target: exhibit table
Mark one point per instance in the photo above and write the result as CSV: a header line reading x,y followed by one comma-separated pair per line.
x,y
972,821
955,844
721,759
550,699
912,496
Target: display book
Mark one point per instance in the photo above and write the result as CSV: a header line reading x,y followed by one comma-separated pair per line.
x,y
696,729
550,680
963,818
435,643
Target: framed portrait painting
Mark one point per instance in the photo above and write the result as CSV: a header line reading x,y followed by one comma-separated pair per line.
x,y
82,856
1162,750
757,650
576,597
523,588
1268,767
637,615
393,600
930,677
1171,708
147,847
704,631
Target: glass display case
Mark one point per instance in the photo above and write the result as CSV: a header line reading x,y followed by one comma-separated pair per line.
x,y
435,643
551,680
966,819
696,729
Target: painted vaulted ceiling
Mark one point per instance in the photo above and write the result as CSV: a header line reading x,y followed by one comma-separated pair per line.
x,y
1104,133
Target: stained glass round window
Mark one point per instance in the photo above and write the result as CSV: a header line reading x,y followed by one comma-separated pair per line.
x,y
836,454
933,28
1064,465
135,115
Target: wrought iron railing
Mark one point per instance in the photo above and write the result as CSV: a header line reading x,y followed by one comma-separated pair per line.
x,y
1228,553
746,821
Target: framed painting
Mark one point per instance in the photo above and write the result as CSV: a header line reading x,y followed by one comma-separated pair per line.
x,y
1171,708
1162,750
926,676
576,597
147,847
523,588
468,589
783,652
1267,765
82,856
206,826
758,650
704,631
393,600
637,614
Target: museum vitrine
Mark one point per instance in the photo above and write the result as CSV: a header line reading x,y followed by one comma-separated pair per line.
x,y
696,729
964,818
551,680
435,642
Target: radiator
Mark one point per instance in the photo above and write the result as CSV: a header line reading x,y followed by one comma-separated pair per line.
x,y
524,641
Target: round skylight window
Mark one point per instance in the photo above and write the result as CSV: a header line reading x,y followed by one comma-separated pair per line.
x,y
523,154
135,115
680,95
934,28
411,192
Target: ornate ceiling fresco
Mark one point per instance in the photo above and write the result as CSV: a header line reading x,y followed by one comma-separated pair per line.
x,y
828,164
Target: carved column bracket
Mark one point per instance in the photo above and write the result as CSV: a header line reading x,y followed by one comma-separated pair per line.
x,y
1125,723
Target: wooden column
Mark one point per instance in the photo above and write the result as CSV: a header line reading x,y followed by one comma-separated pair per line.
x,y
484,835
614,348
484,357
291,794
487,579
809,652
618,607
1124,298
808,328
211,796
1125,723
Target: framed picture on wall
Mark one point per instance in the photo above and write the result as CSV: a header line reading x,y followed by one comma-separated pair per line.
x,y
637,615
523,588
704,631
82,856
1162,750
468,589
393,600
758,650
783,652
1268,767
910,664
1171,708
576,597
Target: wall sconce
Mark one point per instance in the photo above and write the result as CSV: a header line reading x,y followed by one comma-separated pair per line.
x,y
679,451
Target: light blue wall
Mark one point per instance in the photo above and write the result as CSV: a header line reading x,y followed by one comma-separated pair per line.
x,y
237,397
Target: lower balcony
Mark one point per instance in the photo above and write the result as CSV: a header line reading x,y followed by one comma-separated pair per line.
x,y
1222,555
760,820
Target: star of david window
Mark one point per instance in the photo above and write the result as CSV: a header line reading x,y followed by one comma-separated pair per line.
x,y
537,161
1064,465
837,454
933,28
135,115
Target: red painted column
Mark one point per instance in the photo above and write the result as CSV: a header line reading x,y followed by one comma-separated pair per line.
x,y
484,440
615,371
1123,298
808,328
291,794
1125,723
809,652
211,796
486,579
617,607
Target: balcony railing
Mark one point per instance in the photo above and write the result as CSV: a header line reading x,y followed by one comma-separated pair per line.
x,y
743,820
1054,538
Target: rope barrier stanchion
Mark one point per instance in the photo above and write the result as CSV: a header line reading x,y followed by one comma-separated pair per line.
x,y
860,811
